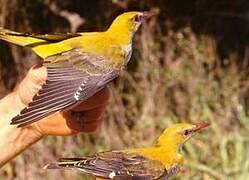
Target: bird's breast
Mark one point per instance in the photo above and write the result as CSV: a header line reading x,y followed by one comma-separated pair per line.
x,y
127,52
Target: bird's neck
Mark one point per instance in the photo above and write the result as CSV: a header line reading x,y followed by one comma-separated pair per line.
x,y
170,147
123,39
122,36
167,142
170,156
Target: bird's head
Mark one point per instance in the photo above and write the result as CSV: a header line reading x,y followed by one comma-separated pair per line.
x,y
178,134
130,21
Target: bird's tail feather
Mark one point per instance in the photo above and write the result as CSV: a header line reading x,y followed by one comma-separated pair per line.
x,y
17,38
52,166
64,163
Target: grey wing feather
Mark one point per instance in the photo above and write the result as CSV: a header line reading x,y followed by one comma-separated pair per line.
x,y
114,165
65,86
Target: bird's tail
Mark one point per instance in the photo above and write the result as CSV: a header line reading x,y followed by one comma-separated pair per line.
x,y
21,39
64,163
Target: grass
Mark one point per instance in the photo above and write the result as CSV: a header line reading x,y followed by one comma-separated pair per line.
x,y
173,77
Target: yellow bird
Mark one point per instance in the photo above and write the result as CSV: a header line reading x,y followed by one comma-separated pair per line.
x,y
78,65
160,161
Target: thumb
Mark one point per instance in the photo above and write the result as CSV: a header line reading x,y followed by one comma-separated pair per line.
x,y
31,84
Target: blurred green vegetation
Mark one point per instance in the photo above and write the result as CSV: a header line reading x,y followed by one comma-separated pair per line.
x,y
190,63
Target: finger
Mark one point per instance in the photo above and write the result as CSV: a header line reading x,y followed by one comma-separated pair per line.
x,y
37,75
69,123
86,121
55,125
99,99
31,84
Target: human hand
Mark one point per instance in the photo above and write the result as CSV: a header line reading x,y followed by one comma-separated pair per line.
x,y
85,117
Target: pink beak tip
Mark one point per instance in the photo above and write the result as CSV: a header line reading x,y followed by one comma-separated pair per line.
x,y
149,14
199,126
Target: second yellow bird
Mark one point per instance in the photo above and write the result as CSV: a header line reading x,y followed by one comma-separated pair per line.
x,y
78,65
159,161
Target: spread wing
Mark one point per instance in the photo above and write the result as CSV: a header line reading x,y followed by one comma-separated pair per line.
x,y
114,165
72,76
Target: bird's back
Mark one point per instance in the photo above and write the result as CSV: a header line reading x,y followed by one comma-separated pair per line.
x,y
45,45
84,41
107,45
166,155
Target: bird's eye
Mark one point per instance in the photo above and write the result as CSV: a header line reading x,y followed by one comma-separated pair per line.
x,y
137,18
187,132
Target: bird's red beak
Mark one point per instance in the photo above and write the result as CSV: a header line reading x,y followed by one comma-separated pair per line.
x,y
148,14
200,126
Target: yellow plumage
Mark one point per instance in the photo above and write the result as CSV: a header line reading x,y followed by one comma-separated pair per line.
x,y
163,159
109,43
17,38
78,65
166,148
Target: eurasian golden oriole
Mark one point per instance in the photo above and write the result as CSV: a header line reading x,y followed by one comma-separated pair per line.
x,y
160,161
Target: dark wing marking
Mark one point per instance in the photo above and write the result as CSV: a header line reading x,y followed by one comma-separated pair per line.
x,y
56,37
170,172
114,165
69,81
47,38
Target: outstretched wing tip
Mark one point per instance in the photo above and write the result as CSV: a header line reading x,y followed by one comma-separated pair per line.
x,y
15,121
12,123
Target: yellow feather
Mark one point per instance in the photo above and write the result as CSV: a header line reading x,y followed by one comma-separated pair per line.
x,y
17,39
166,148
109,44
166,151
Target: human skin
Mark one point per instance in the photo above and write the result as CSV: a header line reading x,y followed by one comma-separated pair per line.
x,y
85,117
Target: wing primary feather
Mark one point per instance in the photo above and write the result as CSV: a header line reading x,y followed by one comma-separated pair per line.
x,y
55,101
71,73
52,84
55,95
30,120
51,91
28,112
65,77
35,117
34,114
